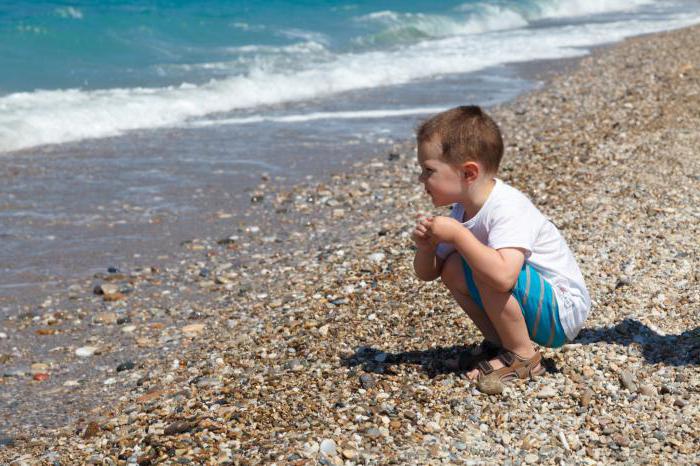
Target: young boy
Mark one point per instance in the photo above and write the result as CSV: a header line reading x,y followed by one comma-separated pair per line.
x,y
505,264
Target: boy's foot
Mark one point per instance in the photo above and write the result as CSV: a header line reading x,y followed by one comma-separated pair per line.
x,y
507,365
468,359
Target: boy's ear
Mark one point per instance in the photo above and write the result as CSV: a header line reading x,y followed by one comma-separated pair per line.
x,y
470,171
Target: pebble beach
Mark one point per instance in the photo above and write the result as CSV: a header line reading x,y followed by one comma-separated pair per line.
x,y
304,337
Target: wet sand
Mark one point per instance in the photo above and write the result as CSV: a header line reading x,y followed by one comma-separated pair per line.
x,y
303,335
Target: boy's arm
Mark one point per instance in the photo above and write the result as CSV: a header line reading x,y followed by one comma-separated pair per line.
x,y
499,269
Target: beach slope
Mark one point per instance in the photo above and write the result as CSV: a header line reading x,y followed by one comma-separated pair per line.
x,y
325,347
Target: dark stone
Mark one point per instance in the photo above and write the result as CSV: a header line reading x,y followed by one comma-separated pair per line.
x,y
6,442
394,156
226,241
178,427
112,270
126,366
123,320
204,272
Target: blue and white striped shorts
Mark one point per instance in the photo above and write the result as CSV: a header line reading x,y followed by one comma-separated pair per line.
x,y
537,302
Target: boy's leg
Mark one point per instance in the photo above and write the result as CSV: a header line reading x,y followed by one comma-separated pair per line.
x,y
453,277
506,317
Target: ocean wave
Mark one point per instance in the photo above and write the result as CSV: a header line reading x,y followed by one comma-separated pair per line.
x,y
481,17
55,116
410,27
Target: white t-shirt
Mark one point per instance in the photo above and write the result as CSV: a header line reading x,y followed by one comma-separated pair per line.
x,y
508,219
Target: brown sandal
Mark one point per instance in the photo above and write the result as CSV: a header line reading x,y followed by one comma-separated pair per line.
x,y
490,380
468,359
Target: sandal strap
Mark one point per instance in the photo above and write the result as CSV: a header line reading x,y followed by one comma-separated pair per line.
x,y
485,367
507,357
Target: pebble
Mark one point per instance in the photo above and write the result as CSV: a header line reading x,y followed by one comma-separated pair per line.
x,y
86,351
91,430
328,447
648,390
106,289
628,381
547,392
367,381
106,318
193,329
680,403
531,458
178,427
3,336
125,366
586,397
6,441
377,257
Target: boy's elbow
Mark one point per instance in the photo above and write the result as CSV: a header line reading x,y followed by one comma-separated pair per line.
x,y
506,283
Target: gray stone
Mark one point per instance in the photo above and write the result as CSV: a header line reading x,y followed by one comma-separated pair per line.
x,y
628,381
367,381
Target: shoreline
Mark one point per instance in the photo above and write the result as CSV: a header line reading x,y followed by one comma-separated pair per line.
x,y
140,251
244,339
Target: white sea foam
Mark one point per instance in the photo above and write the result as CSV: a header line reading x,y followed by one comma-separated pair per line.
x,y
568,8
43,117
69,12
303,117
544,9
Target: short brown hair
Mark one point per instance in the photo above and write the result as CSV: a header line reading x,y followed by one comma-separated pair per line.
x,y
465,134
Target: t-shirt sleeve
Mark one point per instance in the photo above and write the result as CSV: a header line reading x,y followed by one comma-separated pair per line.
x,y
445,249
514,225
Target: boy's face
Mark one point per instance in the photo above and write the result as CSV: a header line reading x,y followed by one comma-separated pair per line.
x,y
442,181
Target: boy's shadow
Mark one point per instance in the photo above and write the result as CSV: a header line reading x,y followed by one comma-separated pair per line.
x,y
673,350
670,350
432,361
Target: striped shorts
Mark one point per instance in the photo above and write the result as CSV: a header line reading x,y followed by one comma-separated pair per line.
x,y
537,302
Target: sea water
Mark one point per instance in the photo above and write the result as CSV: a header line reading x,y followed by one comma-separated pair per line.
x,y
113,114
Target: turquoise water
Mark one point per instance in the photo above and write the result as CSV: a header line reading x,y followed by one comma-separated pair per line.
x,y
86,69
102,44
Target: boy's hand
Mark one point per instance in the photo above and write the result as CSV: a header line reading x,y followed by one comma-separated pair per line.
x,y
443,229
422,237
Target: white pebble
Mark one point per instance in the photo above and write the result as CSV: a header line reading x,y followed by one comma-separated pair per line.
x,y
377,257
85,351
328,447
564,442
